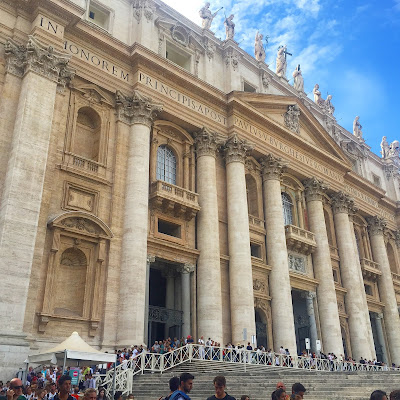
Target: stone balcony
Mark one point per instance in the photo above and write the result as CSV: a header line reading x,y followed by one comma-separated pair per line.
x,y
174,200
334,252
396,278
300,240
370,269
256,224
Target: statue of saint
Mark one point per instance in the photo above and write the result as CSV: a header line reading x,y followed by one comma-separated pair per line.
x,y
357,128
328,105
298,79
259,51
384,147
317,96
394,149
207,16
281,62
229,27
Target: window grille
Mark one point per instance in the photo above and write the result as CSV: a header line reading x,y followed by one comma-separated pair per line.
x,y
287,209
166,165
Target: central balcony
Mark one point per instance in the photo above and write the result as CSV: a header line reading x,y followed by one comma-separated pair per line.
x,y
174,200
300,240
370,269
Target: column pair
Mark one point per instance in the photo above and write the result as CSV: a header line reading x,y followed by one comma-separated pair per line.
x,y
376,228
138,112
356,304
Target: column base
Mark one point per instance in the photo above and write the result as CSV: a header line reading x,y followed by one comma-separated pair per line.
x,y
14,350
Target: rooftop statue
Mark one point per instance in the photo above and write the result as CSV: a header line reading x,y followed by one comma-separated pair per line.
x,y
298,79
328,105
207,16
384,148
357,128
317,96
281,62
229,27
394,149
259,51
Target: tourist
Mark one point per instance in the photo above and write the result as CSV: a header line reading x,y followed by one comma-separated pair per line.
x,y
245,397
28,393
395,395
15,390
185,386
40,394
75,394
51,391
90,394
378,395
118,395
219,386
278,394
173,386
281,385
298,389
101,393
64,387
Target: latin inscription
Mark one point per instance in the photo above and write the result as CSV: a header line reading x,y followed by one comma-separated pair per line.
x,y
181,98
97,61
48,25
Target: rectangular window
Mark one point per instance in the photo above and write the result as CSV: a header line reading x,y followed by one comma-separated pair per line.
x,y
178,57
169,228
255,250
368,290
99,15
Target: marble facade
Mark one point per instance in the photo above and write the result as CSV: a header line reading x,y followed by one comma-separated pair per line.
x,y
135,152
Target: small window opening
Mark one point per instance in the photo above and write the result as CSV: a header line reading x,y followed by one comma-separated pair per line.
x,y
178,57
255,250
368,290
169,228
248,88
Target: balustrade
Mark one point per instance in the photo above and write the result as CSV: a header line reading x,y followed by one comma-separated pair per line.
x,y
300,240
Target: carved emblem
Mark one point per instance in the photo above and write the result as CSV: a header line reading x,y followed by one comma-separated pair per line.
x,y
80,224
297,264
259,285
292,118
180,35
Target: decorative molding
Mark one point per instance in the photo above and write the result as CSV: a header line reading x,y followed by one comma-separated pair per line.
x,y
142,7
236,149
206,143
297,264
292,118
136,109
376,225
272,167
232,59
342,203
266,80
314,189
36,57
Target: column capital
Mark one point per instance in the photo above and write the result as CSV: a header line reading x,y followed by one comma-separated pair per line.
x,y
187,268
272,167
236,149
314,189
136,109
342,203
206,143
150,259
39,58
376,225
308,295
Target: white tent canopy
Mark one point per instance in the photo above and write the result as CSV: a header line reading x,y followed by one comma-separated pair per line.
x,y
73,351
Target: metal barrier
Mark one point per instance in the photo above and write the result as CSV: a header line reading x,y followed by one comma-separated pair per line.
x,y
154,362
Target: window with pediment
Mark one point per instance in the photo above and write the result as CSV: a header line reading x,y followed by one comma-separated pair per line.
x,y
166,165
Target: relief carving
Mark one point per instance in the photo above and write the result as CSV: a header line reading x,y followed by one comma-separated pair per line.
x,y
292,118
297,264
259,286
80,224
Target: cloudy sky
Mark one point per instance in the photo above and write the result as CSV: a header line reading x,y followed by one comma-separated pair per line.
x,y
350,47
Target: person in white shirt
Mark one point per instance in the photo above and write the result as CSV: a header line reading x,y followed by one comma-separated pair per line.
x,y
201,348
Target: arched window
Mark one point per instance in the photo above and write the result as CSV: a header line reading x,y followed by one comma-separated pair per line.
x,y
87,134
358,244
166,165
287,209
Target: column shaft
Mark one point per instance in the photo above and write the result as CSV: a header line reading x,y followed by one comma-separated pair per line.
x,y
150,259
311,316
279,279
358,323
209,295
240,268
386,289
186,300
327,301
381,337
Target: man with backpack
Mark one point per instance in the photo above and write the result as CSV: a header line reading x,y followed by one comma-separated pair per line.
x,y
185,386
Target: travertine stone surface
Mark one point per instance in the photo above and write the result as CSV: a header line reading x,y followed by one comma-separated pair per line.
x,y
376,226
279,280
140,112
209,295
327,303
358,323
240,269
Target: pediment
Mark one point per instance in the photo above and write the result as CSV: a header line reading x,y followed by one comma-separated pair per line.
x,y
293,119
93,94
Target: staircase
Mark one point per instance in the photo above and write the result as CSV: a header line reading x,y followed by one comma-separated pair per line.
x,y
259,381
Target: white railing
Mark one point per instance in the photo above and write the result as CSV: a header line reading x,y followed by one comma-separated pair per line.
x,y
154,362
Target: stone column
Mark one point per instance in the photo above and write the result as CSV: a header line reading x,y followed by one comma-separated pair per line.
x,y
209,295
137,111
150,259
279,280
310,296
381,337
185,274
376,227
327,302
359,324
240,268
41,70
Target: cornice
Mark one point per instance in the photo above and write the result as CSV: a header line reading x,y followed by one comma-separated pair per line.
x,y
352,177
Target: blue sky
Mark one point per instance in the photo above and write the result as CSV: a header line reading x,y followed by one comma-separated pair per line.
x,y
351,48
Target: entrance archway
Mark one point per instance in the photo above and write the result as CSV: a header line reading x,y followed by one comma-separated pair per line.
x,y
261,328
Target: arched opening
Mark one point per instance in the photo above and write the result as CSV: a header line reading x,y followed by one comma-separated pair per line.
x,y
87,134
391,257
71,270
287,205
166,165
261,328
345,341
252,195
